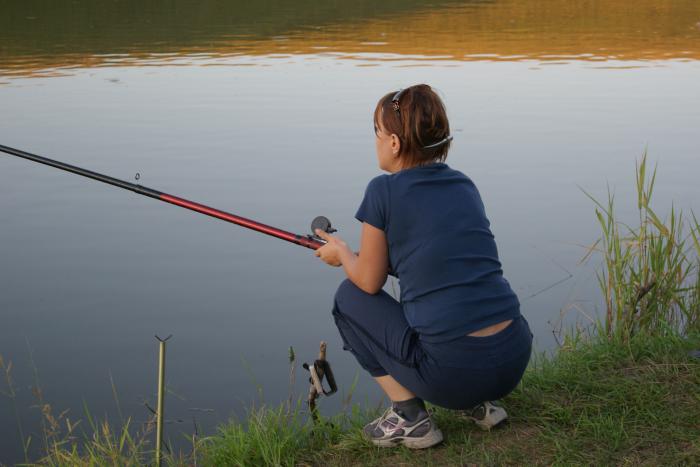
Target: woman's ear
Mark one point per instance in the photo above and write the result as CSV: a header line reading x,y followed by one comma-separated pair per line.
x,y
395,144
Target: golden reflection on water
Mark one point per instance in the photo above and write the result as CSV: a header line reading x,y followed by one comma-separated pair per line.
x,y
548,31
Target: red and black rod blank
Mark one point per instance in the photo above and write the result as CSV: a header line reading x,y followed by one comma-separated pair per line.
x,y
306,241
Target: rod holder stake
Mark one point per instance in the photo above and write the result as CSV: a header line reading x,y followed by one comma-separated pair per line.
x,y
161,401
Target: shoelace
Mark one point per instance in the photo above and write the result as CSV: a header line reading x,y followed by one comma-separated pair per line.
x,y
385,418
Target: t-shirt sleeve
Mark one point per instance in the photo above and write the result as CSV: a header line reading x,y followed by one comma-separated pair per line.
x,y
374,207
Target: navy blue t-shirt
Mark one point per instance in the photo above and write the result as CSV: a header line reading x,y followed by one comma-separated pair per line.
x,y
441,249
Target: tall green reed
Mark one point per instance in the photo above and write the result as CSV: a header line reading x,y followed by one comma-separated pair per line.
x,y
694,301
649,278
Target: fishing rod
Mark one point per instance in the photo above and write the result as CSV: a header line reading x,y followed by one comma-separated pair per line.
x,y
309,241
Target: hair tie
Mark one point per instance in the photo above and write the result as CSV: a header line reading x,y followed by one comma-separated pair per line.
x,y
439,143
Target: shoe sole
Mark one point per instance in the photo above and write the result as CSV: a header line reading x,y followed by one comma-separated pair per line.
x,y
430,439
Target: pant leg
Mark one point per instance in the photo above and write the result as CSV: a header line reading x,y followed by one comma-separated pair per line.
x,y
374,329
455,375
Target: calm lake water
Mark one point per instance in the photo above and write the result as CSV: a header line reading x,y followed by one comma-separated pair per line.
x,y
264,110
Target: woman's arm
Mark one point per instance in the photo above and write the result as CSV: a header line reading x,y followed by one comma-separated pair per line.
x,y
368,271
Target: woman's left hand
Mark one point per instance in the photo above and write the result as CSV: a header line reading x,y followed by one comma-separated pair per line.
x,y
330,252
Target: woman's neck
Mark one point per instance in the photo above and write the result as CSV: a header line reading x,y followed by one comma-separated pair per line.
x,y
399,167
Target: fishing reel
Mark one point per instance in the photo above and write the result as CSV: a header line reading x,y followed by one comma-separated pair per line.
x,y
321,223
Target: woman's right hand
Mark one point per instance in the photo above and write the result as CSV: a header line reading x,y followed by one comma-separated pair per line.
x,y
330,253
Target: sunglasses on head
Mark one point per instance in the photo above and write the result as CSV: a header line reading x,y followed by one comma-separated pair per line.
x,y
395,101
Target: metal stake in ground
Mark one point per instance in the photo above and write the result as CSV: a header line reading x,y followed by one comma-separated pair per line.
x,y
161,399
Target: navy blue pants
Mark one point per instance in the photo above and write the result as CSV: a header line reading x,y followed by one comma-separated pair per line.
x,y
457,375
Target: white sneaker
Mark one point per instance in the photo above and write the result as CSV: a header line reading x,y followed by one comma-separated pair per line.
x,y
391,429
486,415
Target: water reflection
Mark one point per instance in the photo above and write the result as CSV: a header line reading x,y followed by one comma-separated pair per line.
x,y
42,37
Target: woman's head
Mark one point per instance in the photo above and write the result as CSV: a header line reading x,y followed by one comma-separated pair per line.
x,y
411,127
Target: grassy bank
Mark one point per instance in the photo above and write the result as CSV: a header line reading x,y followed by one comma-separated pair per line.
x,y
597,403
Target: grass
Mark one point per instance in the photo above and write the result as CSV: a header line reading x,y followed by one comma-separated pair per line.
x,y
66,442
596,403
650,279
626,394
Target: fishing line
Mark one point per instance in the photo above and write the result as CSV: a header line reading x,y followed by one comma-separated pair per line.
x,y
551,286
